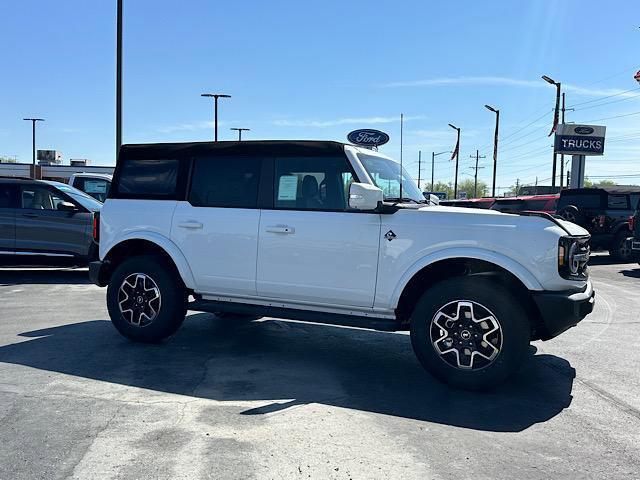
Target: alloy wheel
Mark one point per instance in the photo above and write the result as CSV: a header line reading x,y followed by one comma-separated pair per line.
x,y
466,335
139,299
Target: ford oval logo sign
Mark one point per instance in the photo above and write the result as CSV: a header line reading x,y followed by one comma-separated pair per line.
x,y
583,130
368,137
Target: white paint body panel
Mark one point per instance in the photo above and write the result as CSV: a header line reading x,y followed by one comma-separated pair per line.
x,y
222,252
327,257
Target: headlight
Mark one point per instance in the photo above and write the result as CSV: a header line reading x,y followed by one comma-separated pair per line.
x,y
573,256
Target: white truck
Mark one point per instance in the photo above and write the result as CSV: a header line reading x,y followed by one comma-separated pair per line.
x,y
333,233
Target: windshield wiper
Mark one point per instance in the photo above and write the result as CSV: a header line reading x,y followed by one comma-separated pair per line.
x,y
403,199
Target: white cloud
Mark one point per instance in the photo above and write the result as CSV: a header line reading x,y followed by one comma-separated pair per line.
x,y
344,121
187,127
505,81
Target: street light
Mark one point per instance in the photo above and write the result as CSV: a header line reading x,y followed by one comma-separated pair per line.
x,y
456,152
433,161
495,147
215,97
33,141
556,114
240,130
118,77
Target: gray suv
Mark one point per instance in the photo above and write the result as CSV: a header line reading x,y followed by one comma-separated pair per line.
x,y
46,222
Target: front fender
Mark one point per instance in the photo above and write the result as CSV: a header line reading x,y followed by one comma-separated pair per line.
x,y
166,244
524,275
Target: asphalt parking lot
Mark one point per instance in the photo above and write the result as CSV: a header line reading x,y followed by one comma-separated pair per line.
x,y
280,399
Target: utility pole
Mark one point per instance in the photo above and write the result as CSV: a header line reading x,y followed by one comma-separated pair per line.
x,y
240,130
215,97
495,147
456,153
33,142
475,177
118,77
517,186
564,109
419,166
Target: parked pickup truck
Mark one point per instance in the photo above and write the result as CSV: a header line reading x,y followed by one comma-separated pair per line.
x,y
333,233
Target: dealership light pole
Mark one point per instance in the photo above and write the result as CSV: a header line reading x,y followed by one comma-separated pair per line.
x,y
33,142
119,77
240,130
456,153
495,147
215,97
433,161
556,114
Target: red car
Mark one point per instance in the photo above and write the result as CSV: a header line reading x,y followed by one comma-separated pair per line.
x,y
528,203
484,203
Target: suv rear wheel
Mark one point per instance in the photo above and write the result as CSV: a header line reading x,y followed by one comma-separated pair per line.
x,y
147,301
620,248
469,332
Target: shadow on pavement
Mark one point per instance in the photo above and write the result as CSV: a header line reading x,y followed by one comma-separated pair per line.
x,y
635,273
289,363
20,276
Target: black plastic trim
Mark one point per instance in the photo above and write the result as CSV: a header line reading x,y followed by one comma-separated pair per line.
x,y
387,325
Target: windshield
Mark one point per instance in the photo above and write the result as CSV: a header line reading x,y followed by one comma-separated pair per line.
x,y
385,173
79,196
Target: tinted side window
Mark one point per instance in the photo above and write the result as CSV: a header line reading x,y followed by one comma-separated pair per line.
x,y
312,183
148,178
37,197
634,197
225,182
96,187
617,201
580,201
535,205
7,195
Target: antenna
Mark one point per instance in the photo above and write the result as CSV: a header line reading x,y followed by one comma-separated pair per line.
x,y
401,122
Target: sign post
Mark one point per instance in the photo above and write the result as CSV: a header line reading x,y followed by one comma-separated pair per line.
x,y
579,141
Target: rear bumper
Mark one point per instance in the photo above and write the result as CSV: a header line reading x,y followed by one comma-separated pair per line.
x,y
98,273
563,310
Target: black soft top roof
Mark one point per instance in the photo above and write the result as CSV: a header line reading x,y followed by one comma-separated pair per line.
x,y
249,147
619,189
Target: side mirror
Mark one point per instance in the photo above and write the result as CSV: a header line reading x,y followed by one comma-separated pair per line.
x,y
67,207
364,196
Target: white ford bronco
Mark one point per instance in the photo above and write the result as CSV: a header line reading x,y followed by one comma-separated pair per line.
x,y
333,233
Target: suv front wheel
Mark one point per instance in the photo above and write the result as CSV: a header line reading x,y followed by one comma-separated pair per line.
x,y
469,332
147,301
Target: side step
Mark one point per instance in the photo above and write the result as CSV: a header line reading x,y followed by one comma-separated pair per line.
x,y
372,323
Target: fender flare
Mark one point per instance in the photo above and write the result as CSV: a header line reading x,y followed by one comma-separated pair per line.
x,y
168,246
510,265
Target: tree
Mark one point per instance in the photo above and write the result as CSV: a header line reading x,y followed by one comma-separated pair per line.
x,y
443,187
602,183
5,159
468,184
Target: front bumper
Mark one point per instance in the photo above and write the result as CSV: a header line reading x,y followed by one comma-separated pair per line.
x,y
634,246
560,311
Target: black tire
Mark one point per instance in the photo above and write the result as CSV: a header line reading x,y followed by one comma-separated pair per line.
x,y
571,213
170,307
619,248
485,294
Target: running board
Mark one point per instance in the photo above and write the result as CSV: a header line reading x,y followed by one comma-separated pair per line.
x,y
372,323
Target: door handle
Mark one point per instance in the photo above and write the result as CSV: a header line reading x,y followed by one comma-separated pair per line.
x,y
281,229
191,225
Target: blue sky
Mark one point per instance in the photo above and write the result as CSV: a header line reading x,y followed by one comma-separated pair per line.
x,y
316,70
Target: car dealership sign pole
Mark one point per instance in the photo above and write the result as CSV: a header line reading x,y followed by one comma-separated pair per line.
x,y
579,141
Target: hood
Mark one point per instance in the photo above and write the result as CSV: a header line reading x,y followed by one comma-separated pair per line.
x,y
493,215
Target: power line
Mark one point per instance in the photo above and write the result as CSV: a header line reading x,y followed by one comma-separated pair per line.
x,y
604,97
610,118
631,97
